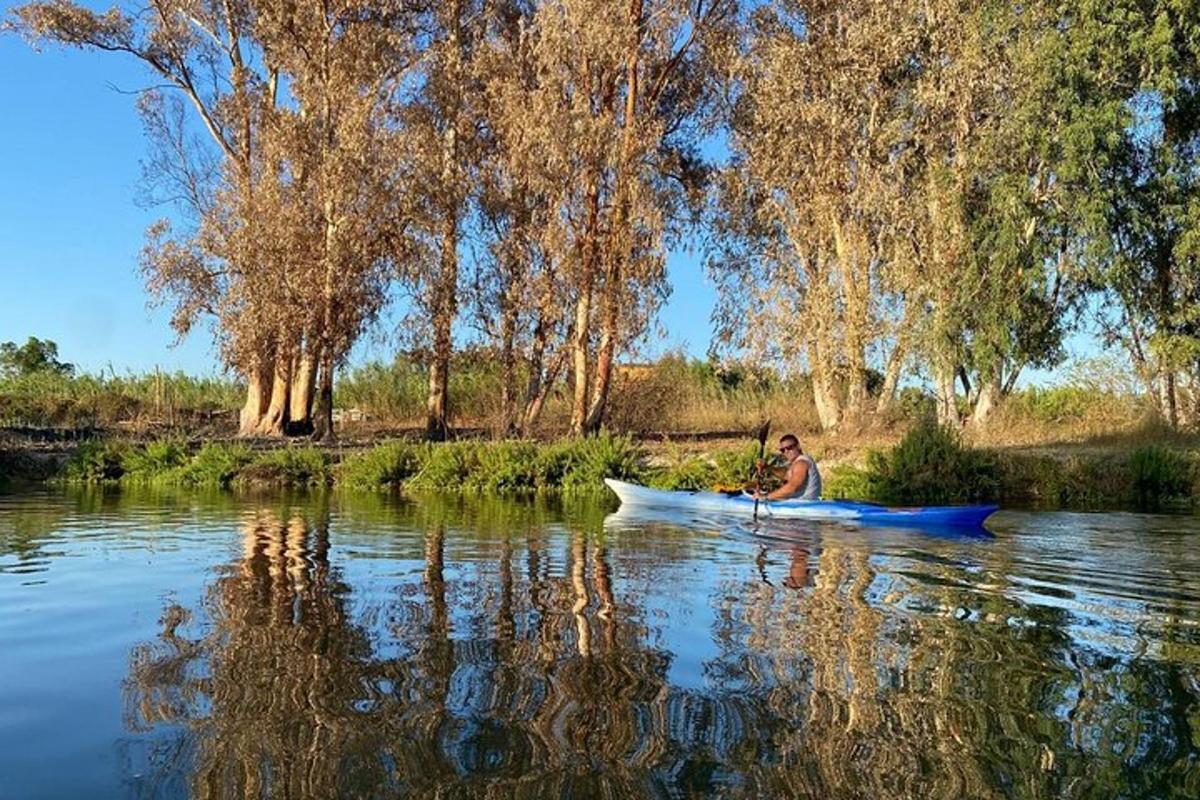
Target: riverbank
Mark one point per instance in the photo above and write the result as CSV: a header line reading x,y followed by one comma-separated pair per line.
x,y
928,465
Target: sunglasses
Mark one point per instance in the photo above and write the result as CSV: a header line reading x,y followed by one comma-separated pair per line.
x,y
787,447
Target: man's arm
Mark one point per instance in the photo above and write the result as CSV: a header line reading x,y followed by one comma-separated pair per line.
x,y
794,483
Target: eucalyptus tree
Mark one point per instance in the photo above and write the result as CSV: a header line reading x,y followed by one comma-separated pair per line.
x,y
1140,212
438,119
288,217
518,285
205,52
344,61
809,208
594,113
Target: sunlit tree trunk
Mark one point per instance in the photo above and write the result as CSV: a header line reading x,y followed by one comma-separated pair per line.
x,y
991,390
947,399
1167,400
304,384
274,421
583,310
258,381
604,359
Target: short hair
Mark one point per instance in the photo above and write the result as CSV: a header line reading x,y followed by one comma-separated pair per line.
x,y
789,438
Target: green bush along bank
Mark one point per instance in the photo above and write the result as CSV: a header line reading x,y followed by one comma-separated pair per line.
x,y
932,465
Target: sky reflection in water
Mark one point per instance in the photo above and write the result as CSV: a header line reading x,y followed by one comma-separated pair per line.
x,y
173,645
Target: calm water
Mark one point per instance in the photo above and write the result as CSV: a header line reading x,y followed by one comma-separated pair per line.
x,y
183,645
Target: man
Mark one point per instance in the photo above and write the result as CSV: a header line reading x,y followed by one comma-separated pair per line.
x,y
801,480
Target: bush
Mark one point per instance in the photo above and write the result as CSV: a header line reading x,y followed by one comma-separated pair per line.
x,y
1158,474
289,466
606,456
385,466
95,462
846,482
444,467
155,459
684,472
506,467
931,465
213,465
735,467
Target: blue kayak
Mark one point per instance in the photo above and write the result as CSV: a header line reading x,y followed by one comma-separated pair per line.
x,y
742,505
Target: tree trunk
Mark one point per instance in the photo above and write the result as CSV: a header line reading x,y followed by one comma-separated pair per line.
x,y
829,412
604,355
534,405
533,386
947,401
508,371
579,352
304,384
323,418
274,421
856,303
1167,401
991,390
891,373
437,421
257,386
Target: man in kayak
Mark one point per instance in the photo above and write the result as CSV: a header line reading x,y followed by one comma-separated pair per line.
x,y
801,479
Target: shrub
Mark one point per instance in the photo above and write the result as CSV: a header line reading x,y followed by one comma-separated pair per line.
x,y
444,467
506,467
387,465
735,467
288,466
214,465
94,462
155,459
931,465
846,482
684,472
1157,474
606,456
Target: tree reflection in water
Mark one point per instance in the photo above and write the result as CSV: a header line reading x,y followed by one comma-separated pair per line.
x,y
539,671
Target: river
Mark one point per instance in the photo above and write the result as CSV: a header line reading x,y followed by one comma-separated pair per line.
x,y
179,644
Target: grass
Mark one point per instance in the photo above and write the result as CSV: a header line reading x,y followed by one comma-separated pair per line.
x,y
929,465
94,400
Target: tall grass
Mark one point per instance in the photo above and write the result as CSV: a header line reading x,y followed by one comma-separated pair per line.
x,y
48,398
397,393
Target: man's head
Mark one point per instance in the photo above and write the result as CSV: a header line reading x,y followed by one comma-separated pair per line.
x,y
789,446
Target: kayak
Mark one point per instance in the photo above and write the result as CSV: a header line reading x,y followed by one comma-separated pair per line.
x,y
632,494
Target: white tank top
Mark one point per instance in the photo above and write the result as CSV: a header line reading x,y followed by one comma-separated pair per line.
x,y
811,489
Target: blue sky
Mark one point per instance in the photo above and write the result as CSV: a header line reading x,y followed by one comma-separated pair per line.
x,y
71,230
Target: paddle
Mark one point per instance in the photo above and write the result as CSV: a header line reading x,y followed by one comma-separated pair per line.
x,y
762,447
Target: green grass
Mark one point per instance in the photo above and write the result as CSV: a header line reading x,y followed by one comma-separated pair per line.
x,y
51,399
288,466
928,466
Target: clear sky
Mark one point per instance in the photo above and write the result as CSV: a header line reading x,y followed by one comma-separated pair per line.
x,y
71,229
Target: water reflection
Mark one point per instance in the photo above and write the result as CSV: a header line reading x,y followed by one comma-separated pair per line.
x,y
453,648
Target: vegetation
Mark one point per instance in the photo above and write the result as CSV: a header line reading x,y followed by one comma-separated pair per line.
x,y
930,465
928,190
33,357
